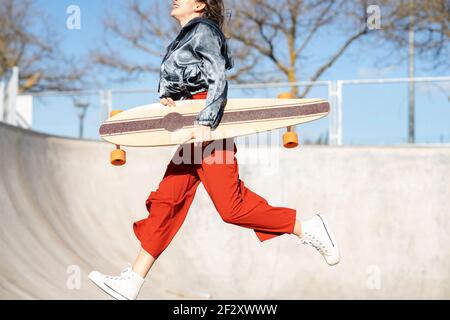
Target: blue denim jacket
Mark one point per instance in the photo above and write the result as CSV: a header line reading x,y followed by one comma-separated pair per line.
x,y
196,61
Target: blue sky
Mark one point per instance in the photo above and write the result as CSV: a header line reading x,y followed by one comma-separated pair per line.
x,y
373,114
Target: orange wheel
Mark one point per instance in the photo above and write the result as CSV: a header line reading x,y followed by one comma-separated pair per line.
x,y
285,95
114,112
290,139
118,157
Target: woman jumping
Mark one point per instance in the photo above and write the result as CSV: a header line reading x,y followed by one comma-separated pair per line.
x,y
194,68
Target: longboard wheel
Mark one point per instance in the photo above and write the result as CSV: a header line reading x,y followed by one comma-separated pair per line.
x,y
290,139
118,157
285,95
114,112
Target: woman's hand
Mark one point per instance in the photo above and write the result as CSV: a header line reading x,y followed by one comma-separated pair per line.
x,y
200,134
168,102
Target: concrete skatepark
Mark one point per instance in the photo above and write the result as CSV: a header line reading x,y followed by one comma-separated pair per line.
x,y
65,211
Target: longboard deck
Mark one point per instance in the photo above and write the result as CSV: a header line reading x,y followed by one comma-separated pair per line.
x,y
158,125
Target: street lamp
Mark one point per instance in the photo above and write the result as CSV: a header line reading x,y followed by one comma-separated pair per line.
x,y
82,108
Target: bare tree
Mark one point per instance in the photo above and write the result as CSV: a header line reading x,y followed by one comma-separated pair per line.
x,y
141,30
283,31
268,38
145,30
414,29
431,28
27,41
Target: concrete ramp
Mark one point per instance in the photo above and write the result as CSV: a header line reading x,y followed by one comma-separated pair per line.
x,y
65,211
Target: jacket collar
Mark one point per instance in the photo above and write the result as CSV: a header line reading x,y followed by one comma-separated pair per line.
x,y
190,25
196,20
193,22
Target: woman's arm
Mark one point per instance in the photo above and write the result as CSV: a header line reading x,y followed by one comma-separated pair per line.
x,y
207,43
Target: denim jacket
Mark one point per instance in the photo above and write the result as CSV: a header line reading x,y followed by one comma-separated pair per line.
x,y
196,61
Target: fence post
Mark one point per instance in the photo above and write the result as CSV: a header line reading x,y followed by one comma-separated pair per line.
x,y
2,100
339,109
332,139
335,119
331,99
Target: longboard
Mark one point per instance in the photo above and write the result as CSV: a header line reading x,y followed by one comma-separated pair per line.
x,y
158,125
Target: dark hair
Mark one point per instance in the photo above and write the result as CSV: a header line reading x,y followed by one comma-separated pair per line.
x,y
214,10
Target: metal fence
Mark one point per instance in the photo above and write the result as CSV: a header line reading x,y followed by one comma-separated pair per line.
x,y
375,111
372,111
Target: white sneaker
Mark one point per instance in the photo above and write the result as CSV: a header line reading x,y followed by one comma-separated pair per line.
x,y
317,233
123,287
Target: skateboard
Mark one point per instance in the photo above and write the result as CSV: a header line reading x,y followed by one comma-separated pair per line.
x,y
159,125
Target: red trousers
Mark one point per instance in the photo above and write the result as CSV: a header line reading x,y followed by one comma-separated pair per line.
x,y
218,171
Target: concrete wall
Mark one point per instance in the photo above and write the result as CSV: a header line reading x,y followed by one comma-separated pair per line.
x,y
63,205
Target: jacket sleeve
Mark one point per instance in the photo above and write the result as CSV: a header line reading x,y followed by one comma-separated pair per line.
x,y
165,87
163,93
206,43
